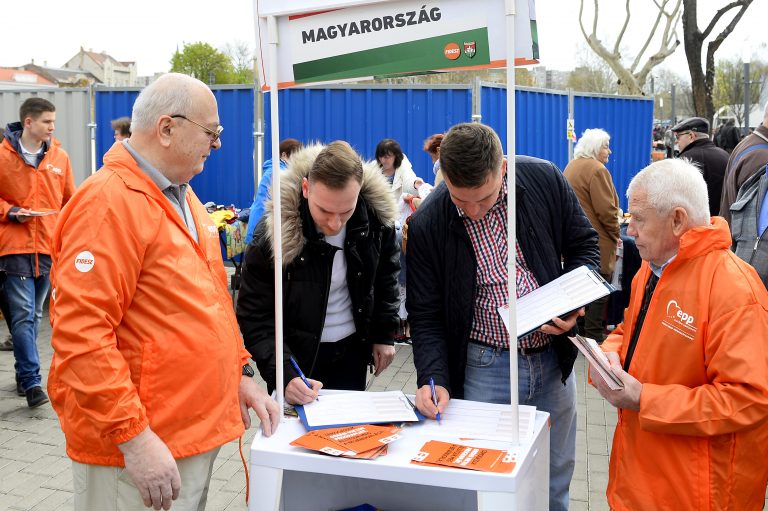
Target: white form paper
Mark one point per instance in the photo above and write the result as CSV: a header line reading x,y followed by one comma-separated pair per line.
x,y
359,408
566,293
484,421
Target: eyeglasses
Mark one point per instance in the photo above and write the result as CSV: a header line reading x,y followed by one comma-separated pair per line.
x,y
211,133
678,135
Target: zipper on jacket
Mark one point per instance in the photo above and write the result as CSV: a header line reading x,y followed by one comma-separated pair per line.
x,y
35,220
754,248
327,286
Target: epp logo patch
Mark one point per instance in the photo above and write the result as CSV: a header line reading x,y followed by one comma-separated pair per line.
x,y
84,261
55,170
679,321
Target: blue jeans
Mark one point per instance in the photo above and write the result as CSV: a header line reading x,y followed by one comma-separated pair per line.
x,y
539,385
25,299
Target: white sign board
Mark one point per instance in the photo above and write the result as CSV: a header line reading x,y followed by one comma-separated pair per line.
x,y
388,38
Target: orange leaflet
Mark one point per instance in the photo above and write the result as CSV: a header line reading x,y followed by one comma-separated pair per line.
x,y
363,441
446,454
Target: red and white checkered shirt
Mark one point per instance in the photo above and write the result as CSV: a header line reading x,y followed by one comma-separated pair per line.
x,y
489,241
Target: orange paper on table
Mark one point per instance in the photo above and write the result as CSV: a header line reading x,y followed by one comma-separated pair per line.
x,y
364,441
446,454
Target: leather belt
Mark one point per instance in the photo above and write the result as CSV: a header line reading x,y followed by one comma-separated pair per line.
x,y
532,351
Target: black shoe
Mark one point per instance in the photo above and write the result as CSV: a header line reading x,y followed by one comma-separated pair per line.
x,y
36,397
20,391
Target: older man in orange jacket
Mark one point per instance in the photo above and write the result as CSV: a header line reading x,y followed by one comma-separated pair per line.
x,y
692,432
149,369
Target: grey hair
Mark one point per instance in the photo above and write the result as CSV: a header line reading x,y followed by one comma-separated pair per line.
x,y
765,113
590,143
674,183
168,95
699,135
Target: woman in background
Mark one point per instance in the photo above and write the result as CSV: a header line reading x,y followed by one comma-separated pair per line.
x,y
432,147
399,172
592,182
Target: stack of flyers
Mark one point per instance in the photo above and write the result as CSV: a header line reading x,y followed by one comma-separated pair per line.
x,y
444,454
366,441
597,360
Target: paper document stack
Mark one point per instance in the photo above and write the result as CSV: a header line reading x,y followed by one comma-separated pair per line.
x,y
356,407
366,441
597,360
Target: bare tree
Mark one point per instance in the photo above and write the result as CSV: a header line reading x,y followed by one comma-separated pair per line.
x,y
702,82
241,56
729,86
631,79
592,74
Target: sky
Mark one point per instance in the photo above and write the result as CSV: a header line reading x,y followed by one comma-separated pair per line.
x,y
149,31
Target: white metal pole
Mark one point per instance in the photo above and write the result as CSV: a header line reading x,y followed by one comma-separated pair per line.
x,y
511,231
277,235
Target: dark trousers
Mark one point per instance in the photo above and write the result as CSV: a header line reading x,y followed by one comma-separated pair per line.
x,y
4,307
595,314
341,365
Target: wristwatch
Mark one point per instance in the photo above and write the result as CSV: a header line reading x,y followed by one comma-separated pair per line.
x,y
248,370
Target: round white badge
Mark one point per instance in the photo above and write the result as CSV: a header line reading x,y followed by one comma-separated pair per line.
x,y
84,261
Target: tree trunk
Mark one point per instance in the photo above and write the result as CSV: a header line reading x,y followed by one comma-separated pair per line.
x,y
693,43
703,81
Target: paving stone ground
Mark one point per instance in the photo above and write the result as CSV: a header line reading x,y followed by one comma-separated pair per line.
x,y
35,473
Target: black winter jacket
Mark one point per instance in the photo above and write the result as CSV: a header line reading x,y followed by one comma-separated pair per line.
x,y
373,265
711,161
441,267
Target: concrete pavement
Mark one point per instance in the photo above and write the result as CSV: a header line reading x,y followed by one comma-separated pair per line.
x,y
35,473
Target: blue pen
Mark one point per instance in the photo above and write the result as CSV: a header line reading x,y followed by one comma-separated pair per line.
x,y
301,374
434,395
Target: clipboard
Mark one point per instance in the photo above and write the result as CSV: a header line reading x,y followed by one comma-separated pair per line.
x,y
557,298
398,409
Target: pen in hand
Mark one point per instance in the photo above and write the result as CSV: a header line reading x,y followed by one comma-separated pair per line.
x,y
434,396
301,374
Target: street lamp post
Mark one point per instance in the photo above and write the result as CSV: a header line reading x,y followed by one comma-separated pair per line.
x,y
673,115
745,128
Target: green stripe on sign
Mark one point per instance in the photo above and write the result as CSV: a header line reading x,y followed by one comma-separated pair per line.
x,y
420,55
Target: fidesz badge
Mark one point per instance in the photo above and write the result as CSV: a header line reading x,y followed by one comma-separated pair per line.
x,y
84,262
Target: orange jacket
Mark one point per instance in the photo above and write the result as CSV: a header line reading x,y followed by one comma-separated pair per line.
x,y
144,332
700,439
21,185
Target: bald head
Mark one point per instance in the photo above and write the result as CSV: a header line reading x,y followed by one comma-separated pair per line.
x,y
175,125
171,94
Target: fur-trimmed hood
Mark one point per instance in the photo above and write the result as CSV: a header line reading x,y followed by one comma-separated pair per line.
x,y
375,191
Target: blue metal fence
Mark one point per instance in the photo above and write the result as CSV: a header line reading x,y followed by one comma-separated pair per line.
x,y
539,121
540,126
629,121
364,114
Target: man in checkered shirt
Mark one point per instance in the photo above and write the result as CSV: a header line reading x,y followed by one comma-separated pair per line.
x,y
457,279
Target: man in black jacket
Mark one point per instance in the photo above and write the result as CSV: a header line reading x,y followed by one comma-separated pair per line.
x,y
340,268
695,146
457,278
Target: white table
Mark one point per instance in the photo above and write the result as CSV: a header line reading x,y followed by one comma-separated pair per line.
x,y
287,478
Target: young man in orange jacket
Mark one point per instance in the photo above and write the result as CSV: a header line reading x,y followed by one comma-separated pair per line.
x,y
149,371
35,179
692,432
